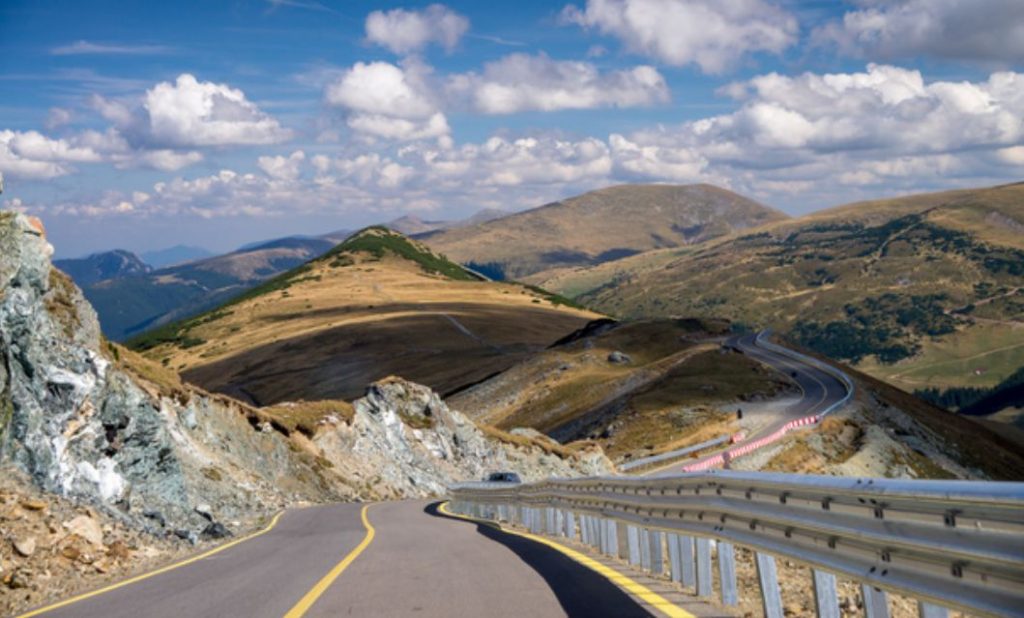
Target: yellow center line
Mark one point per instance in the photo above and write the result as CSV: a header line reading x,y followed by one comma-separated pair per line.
x,y
311,597
635,588
138,578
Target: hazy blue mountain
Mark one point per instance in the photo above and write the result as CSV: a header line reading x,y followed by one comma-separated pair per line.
x,y
178,254
99,266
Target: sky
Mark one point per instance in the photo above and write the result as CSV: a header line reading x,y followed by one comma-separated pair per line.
x,y
142,125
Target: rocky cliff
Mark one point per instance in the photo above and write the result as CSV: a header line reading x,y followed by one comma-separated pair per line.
x,y
84,422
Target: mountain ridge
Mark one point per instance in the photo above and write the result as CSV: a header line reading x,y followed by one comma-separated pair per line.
x,y
599,226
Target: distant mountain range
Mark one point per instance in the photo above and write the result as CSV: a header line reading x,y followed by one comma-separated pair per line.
x,y
171,256
598,227
132,300
411,225
99,266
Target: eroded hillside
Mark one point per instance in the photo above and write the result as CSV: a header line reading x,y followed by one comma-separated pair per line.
x,y
376,305
921,291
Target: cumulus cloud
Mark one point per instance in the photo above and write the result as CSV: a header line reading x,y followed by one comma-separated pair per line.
x,y
713,34
194,113
189,113
886,126
57,117
32,155
523,82
975,30
388,101
284,168
403,31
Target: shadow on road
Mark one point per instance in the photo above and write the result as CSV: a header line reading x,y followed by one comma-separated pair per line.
x,y
579,590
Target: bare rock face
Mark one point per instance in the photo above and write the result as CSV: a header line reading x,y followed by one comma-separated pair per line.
x,y
82,428
410,444
191,464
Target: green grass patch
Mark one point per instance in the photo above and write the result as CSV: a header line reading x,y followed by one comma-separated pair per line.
x,y
379,241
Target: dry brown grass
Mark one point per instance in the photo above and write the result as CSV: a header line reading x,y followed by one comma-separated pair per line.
x,y
304,416
550,447
166,381
340,327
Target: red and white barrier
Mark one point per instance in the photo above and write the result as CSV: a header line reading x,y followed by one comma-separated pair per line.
x,y
750,447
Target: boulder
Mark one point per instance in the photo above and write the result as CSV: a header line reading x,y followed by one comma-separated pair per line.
x,y
619,358
86,528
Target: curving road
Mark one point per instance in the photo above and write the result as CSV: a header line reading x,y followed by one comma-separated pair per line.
x,y
391,559
819,391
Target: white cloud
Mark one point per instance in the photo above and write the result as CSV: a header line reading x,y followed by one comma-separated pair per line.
x,y
160,129
380,88
885,127
32,155
283,168
388,101
976,30
193,113
57,117
522,82
713,34
403,31
163,159
86,47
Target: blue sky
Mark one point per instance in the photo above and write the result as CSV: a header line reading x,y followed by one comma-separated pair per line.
x,y
143,125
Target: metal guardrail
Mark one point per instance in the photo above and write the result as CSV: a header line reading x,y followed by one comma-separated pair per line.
x,y
947,544
679,452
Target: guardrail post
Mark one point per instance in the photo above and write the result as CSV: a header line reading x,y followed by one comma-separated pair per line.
x,y
686,557
602,536
645,549
657,556
568,525
585,529
633,538
875,603
770,597
927,610
727,573
613,537
674,564
704,587
825,596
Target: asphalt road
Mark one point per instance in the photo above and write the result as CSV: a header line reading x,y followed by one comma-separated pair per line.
x,y
819,390
417,563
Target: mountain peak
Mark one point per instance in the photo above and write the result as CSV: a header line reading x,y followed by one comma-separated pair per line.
x,y
102,266
379,241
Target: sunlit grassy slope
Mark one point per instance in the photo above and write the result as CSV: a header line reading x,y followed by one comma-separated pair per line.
x,y
376,305
921,290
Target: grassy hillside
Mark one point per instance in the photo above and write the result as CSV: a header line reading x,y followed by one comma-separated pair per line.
x,y
377,304
923,291
599,226
130,305
667,393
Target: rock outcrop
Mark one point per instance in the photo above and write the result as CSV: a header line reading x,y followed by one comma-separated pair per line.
x,y
84,424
